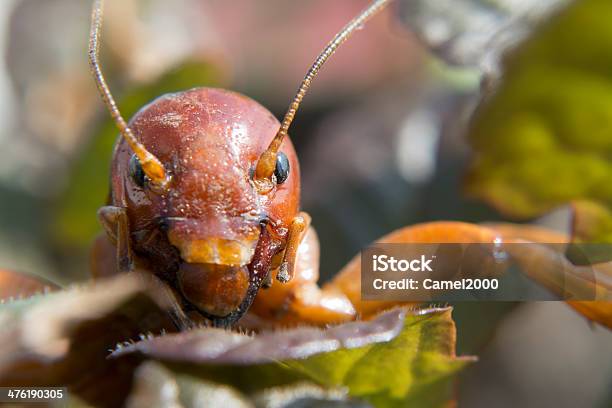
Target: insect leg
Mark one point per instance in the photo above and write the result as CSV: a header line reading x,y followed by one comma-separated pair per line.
x,y
297,230
301,301
116,224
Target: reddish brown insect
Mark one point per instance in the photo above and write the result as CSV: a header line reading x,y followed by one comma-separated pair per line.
x,y
205,192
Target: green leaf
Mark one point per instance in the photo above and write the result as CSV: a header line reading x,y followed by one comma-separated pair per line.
x,y
416,368
376,361
74,223
544,137
591,222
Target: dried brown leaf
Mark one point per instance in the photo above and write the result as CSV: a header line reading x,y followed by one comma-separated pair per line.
x,y
63,338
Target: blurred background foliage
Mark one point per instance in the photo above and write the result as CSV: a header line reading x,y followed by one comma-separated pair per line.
x,y
551,115
381,138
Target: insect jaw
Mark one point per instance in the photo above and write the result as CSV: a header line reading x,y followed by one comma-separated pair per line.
x,y
215,290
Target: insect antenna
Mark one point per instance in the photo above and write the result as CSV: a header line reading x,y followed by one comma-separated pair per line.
x,y
267,161
151,165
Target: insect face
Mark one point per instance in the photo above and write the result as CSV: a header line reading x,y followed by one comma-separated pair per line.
x,y
205,226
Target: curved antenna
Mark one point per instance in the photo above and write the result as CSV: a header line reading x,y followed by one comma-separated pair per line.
x,y
151,165
267,160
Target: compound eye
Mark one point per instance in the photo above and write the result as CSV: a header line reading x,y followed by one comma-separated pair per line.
x,y
136,172
282,168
